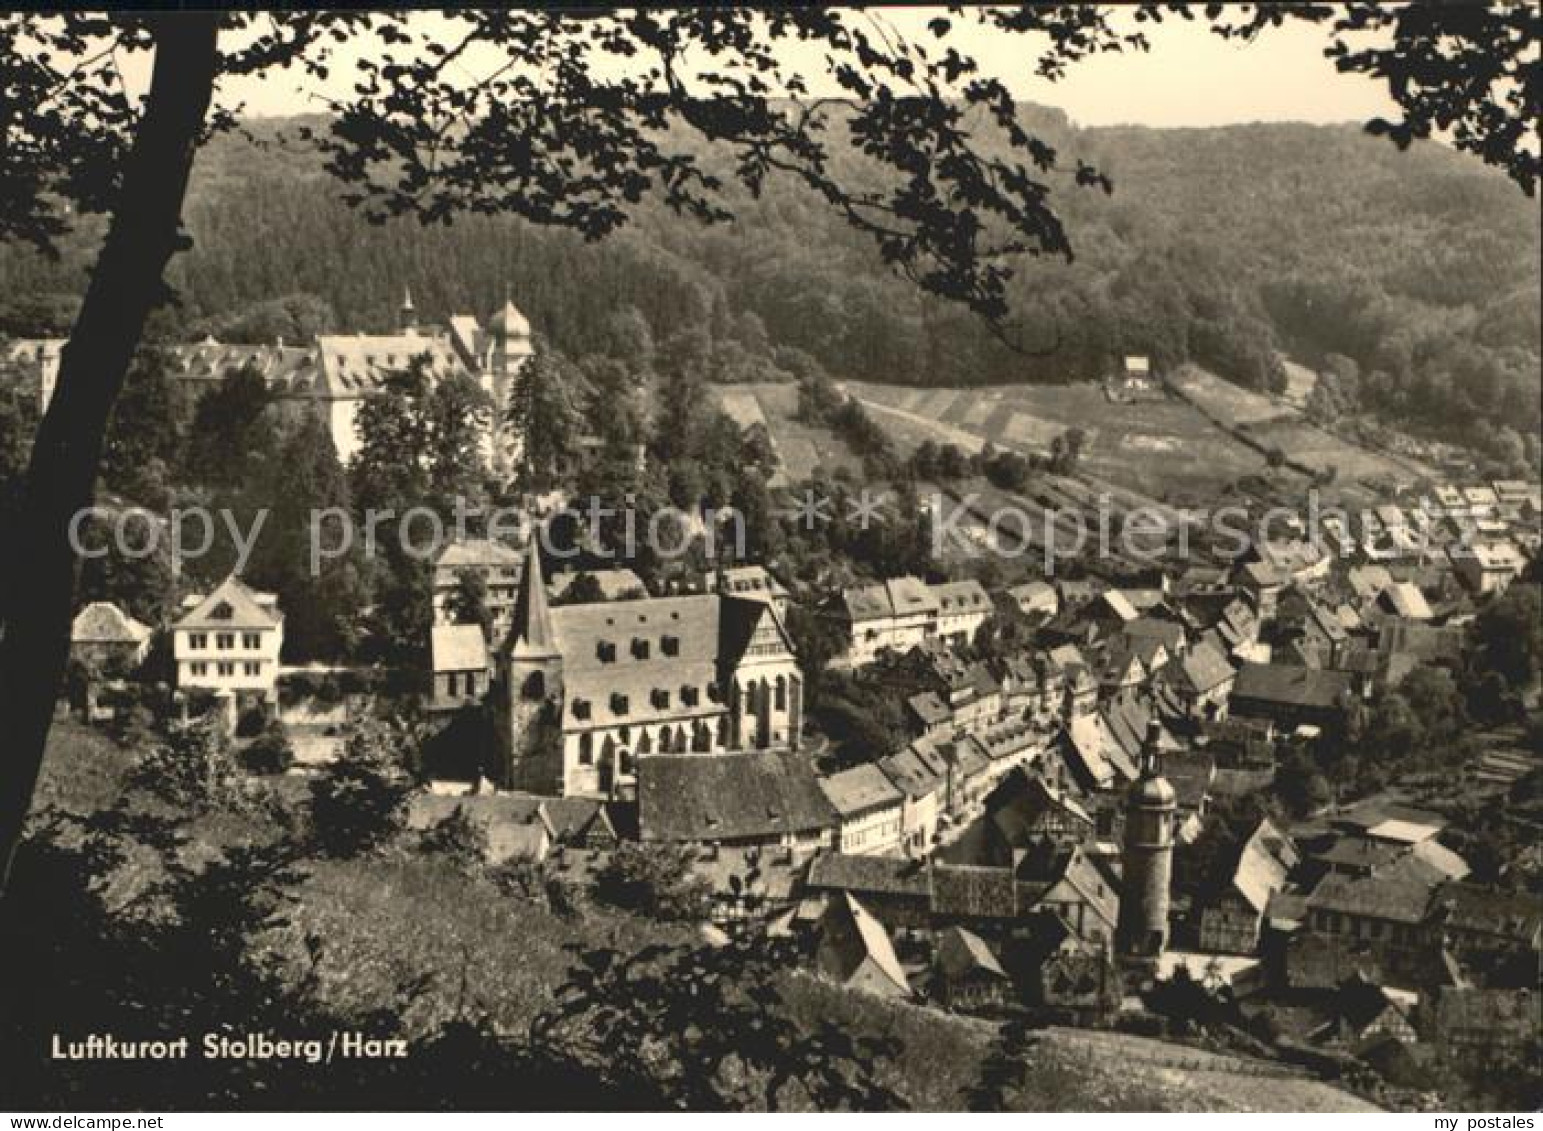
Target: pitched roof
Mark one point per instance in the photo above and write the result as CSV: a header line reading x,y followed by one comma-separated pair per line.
x,y
458,648
859,790
929,708
631,662
1086,739
1119,604
956,597
1203,668
962,952
850,936
1512,914
614,584
915,773
974,892
1166,632
1405,600
104,623
868,875
515,825
897,597
1264,862
476,553
1292,686
761,793
233,605
1401,891
356,363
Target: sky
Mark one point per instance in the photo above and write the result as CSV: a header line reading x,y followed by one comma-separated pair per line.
x,y
1190,78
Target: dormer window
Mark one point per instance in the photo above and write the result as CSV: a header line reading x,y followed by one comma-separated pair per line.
x,y
222,611
670,645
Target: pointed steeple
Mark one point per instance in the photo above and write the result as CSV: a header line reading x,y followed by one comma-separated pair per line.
x,y
532,636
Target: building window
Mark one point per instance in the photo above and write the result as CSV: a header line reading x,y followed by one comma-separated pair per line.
x,y
670,645
660,699
226,668
689,696
224,641
198,641
251,641
619,703
586,749
452,684
581,708
199,667
782,694
252,667
639,648
606,651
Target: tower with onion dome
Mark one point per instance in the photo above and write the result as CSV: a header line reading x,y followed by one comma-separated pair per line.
x,y
1151,809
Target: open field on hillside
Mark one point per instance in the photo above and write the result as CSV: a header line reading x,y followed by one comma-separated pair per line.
x,y
801,447
1231,404
1161,449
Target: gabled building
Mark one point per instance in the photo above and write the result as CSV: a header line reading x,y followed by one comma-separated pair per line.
x,y
1025,809
228,642
894,615
590,690
868,809
967,974
963,607
1231,920
854,950
763,798
496,564
1202,681
103,637
462,666
1289,697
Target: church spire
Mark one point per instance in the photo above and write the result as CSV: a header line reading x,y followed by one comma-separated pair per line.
x,y
533,636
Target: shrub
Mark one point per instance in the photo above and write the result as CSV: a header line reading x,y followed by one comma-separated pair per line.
x,y
360,801
270,752
458,837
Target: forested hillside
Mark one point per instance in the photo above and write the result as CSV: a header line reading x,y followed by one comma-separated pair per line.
x,y
1411,278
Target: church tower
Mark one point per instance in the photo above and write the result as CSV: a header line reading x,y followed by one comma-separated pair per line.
x,y
532,668
1147,863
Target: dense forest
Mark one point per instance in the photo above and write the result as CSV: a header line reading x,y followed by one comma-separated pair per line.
x,y
1409,278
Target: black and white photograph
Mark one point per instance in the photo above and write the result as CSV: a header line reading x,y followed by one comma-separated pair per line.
x,y
771,558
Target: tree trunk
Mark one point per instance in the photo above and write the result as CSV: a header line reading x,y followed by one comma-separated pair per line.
x,y
126,284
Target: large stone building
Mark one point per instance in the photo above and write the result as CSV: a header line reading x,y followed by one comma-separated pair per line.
x,y
590,690
332,376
